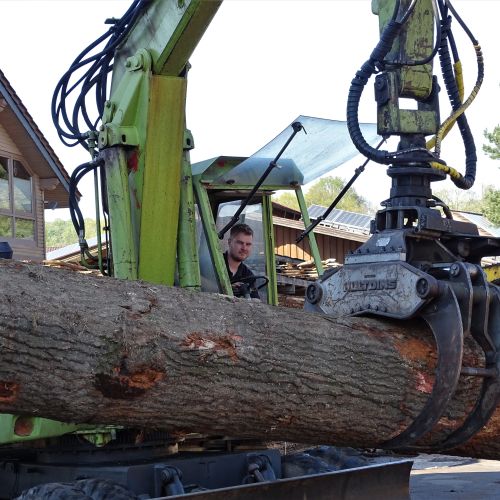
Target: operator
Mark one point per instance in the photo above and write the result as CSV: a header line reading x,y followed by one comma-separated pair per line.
x,y
239,249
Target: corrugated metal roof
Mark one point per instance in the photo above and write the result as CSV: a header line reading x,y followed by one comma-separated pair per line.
x,y
351,220
72,249
481,222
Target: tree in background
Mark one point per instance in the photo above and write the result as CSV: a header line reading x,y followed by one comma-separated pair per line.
x,y
491,206
60,232
492,195
493,149
458,199
323,192
487,204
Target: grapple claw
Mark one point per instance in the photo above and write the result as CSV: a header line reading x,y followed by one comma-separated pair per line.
x,y
489,398
454,300
443,317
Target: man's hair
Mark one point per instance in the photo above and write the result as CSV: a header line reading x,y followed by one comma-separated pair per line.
x,y
241,228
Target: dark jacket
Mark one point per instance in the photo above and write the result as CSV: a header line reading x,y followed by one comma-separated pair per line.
x,y
243,271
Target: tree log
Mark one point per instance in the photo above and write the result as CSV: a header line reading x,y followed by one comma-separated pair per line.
x,y
89,349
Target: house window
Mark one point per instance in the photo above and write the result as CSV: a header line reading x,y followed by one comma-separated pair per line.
x,y
17,219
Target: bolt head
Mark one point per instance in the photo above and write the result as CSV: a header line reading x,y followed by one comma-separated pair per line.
x,y
454,270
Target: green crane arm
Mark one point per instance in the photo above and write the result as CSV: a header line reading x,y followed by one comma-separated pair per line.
x,y
143,138
170,31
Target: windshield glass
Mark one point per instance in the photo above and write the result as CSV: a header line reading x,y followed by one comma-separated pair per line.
x,y
323,146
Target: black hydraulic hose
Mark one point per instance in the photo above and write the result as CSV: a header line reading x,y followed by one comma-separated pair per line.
x,y
467,181
337,199
420,155
357,86
435,49
62,91
461,22
384,45
95,77
444,206
74,209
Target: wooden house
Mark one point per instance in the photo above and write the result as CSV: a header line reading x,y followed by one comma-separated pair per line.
x,y
341,233
31,178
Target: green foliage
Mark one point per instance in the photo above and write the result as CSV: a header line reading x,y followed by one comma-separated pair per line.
x,y
288,199
488,204
491,205
492,149
458,199
61,232
323,192
6,226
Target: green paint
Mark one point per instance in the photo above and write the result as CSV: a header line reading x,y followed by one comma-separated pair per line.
x,y
162,175
170,30
210,230
414,43
268,230
312,239
123,241
187,253
40,428
125,126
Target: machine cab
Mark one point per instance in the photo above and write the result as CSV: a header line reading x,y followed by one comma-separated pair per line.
x,y
223,185
215,207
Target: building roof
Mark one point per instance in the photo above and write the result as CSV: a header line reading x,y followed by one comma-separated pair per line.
x,y
485,227
342,219
32,144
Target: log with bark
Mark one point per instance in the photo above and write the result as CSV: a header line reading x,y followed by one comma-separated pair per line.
x,y
88,349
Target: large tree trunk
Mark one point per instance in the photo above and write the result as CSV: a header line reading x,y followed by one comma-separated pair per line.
x,y
89,349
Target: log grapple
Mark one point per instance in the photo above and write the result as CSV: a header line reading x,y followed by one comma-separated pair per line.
x,y
419,264
419,261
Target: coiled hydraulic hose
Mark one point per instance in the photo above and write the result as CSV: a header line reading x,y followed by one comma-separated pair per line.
x,y
96,76
452,76
455,94
358,84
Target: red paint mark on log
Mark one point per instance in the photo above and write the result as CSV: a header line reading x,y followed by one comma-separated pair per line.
x,y
122,384
417,351
8,391
424,383
209,343
23,426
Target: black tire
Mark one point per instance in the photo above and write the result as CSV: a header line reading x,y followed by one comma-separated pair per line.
x,y
84,489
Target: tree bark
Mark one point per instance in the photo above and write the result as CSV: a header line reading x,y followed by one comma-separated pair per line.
x,y
88,349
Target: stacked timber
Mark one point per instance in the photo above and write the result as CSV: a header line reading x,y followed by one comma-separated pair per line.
x,y
305,270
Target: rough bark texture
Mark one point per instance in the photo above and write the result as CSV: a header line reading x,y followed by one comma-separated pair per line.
x,y
88,349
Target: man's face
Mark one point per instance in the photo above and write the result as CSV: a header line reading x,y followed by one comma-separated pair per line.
x,y
240,246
